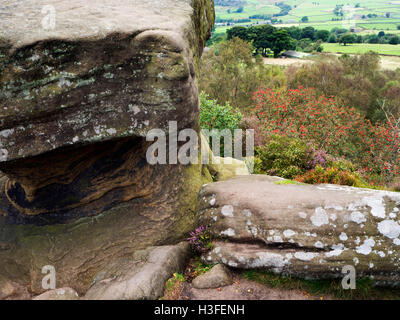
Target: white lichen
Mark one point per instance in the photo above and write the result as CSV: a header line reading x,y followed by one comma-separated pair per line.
x,y
305,256
357,217
229,232
366,247
319,218
303,215
289,233
343,236
389,228
227,211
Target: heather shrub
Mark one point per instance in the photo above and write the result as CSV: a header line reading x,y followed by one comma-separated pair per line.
x,y
395,185
200,239
331,175
319,158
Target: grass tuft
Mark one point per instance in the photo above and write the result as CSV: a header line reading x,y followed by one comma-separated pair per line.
x,y
365,290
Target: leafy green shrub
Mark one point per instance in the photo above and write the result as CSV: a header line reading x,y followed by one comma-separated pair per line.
x,y
220,117
216,116
342,165
258,169
283,156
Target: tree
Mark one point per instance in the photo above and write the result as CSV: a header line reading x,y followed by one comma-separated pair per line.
x,y
347,38
268,37
304,43
332,38
381,34
373,39
295,32
238,32
398,27
239,10
322,35
317,46
394,40
308,32
281,41
304,19
262,37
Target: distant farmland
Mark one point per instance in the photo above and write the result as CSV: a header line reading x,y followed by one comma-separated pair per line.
x,y
386,49
384,14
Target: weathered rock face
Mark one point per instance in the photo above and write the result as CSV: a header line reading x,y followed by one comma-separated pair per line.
x,y
109,70
140,276
76,103
303,230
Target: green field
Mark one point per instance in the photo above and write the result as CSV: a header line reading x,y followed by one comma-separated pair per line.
x,y
362,48
320,13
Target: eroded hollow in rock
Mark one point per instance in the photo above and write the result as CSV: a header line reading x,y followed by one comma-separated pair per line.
x,y
76,181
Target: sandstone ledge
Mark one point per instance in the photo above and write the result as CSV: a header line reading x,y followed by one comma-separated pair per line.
x,y
303,230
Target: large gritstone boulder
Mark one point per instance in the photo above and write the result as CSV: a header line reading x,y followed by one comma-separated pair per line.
x,y
81,85
263,222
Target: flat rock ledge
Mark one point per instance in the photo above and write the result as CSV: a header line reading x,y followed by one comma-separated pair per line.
x,y
141,277
307,231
